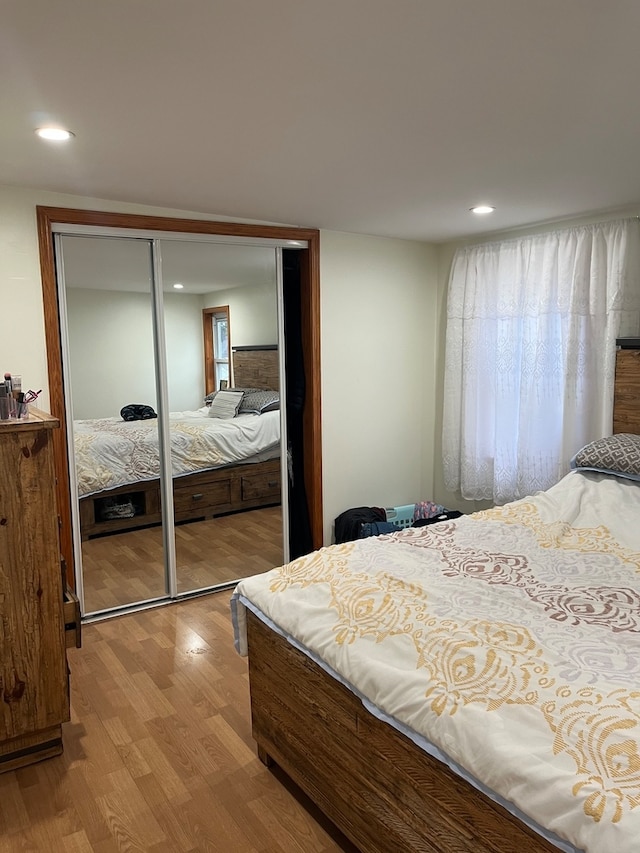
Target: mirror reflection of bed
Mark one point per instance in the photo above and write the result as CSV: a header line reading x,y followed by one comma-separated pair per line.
x,y
226,470
226,518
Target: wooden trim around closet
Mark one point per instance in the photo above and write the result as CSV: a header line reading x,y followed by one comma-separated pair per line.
x,y
310,272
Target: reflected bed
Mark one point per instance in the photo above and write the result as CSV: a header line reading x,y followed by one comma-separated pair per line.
x,y
111,453
219,464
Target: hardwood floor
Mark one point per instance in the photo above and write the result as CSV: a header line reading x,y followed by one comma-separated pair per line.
x,y
129,567
158,756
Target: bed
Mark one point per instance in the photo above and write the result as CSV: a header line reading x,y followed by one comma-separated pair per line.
x,y
219,465
470,686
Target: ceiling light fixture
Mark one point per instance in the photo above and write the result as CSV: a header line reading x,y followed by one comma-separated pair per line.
x,y
178,286
55,134
482,208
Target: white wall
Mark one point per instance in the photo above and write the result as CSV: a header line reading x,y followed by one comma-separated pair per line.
x,y
378,337
379,341
185,351
112,351
253,312
22,347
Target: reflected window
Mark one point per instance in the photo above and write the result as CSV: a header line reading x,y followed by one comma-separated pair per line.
x,y
217,348
221,349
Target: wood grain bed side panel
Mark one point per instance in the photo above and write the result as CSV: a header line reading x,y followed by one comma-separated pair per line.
x,y
383,792
203,494
626,405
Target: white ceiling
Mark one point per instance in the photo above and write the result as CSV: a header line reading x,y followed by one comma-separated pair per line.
x,y
386,117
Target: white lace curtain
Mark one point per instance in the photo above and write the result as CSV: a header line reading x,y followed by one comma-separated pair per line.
x,y
530,354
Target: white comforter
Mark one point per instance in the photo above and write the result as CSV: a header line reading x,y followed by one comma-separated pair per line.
x,y
510,639
111,452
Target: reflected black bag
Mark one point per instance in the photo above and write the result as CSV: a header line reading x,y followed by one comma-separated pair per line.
x,y
137,412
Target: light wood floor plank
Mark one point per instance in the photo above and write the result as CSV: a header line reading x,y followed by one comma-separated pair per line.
x,y
158,755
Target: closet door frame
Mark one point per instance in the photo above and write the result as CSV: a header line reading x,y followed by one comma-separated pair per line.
x,y
310,282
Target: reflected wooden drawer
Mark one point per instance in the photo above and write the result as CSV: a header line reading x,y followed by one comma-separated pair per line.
x,y
256,486
205,496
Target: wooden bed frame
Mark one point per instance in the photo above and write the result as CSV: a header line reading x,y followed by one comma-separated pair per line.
x,y
384,793
626,394
379,788
204,494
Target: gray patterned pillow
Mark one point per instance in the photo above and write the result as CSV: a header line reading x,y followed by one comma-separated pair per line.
x,y
257,402
616,454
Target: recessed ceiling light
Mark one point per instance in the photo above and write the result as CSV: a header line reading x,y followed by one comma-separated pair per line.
x,y
482,208
57,134
178,286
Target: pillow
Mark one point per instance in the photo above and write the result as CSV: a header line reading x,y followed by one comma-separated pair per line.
x,y
225,404
257,402
208,400
617,454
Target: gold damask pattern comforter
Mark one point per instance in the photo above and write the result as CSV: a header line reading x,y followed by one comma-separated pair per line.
x,y
111,452
510,639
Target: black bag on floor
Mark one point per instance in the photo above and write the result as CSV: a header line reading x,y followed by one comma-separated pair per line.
x,y
348,523
376,528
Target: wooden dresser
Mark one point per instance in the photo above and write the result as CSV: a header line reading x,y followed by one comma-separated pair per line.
x,y
34,684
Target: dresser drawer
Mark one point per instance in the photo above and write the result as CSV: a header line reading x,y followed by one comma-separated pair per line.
x,y
205,496
259,486
72,623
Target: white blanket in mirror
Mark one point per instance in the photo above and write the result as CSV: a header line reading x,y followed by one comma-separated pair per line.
x,y
110,452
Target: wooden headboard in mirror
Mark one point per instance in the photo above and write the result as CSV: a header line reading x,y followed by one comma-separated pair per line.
x,y
626,395
256,367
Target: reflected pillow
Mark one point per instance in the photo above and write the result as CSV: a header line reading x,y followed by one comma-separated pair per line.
x,y
225,404
257,402
617,454
208,400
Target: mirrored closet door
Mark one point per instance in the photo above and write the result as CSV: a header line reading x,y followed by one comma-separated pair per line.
x,y
225,451
108,291
174,414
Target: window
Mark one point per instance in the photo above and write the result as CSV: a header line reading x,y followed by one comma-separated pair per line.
x,y
530,354
217,347
221,348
